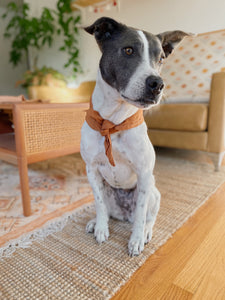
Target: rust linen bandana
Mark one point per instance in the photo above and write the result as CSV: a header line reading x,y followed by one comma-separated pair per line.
x,y
106,128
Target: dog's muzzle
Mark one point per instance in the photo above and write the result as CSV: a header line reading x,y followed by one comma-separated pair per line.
x,y
152,93
154,86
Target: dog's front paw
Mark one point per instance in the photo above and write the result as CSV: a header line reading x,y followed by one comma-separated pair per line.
x,y
101,233
135,245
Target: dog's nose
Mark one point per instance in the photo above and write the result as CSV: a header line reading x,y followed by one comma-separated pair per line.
x,y
154,85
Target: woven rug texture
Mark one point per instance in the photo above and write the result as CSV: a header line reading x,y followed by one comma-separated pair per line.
x,y
69,264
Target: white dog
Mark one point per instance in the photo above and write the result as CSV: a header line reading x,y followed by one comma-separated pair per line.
x,y
128,80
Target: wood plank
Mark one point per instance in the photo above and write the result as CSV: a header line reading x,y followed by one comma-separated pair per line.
x,y
210,253
32,158
175,292
213,284
156,276
6,106
8,156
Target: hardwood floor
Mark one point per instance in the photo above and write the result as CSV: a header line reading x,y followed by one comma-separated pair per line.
x,y
191,265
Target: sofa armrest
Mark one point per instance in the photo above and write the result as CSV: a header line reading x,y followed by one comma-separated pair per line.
x,y
216,121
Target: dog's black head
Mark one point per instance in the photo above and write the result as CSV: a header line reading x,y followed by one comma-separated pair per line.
x,y
131,59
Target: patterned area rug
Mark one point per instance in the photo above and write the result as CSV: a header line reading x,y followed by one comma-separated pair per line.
x,y
56,186
68,264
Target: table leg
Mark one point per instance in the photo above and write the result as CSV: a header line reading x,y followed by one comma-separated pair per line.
x,y
24,184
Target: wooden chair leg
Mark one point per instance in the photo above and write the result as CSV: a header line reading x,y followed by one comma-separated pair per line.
x,y
24,184
217,159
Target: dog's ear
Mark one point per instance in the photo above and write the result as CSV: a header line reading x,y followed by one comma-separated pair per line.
x,y
104,28
170,39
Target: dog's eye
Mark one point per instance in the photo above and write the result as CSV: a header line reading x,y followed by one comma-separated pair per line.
x,y
161,59
128,50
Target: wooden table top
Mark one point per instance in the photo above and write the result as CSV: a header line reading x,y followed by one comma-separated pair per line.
x,y
9,105
6,105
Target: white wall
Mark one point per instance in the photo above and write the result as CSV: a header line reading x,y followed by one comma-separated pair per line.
x,y
151,15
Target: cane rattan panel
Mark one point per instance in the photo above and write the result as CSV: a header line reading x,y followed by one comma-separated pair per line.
x,y
51,129
42,131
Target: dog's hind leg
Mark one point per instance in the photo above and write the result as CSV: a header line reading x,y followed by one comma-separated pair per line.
x,y
152,211
90,227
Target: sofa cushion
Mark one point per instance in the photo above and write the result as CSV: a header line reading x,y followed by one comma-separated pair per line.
x,y
182,117
187,72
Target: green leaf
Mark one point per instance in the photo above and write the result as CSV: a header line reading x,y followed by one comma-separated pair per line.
x,y
7,35
44,41
13,22
46,14
15,57
12,6
25,9
49,38
77,20
69,20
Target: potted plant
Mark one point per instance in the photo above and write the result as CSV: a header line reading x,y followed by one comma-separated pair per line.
x,y
49,84
33,33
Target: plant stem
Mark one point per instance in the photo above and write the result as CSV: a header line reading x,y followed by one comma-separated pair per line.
x,y
35,62
28,59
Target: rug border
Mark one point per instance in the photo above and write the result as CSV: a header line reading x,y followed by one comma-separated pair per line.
x,y
51,226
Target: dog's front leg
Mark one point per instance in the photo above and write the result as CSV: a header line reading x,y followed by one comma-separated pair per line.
x,y
137,239
99,225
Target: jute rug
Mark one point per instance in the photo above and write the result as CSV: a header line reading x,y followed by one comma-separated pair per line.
x,y
68,263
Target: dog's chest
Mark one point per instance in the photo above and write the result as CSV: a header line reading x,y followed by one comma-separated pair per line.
x,y
121,175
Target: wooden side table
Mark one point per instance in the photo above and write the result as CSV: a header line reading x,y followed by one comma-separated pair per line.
x,y
42,131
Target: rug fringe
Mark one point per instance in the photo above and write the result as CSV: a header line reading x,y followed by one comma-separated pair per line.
x,y
50,227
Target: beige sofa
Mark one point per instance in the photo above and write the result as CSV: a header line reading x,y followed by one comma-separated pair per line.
x,y
193,126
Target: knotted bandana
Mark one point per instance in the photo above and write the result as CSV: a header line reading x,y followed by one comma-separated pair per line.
x,y
106,128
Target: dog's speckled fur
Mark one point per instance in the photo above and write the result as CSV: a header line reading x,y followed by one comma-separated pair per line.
x,y
124,84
